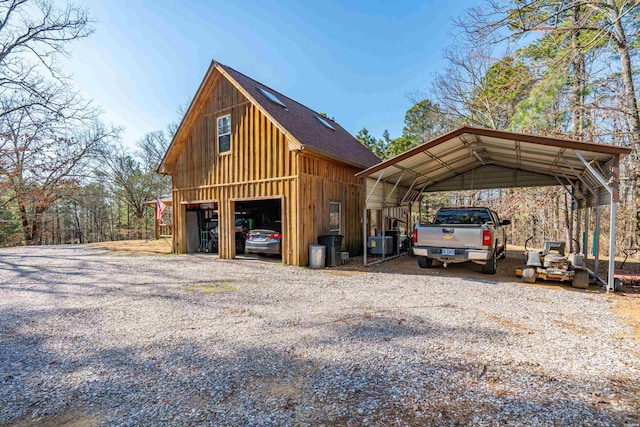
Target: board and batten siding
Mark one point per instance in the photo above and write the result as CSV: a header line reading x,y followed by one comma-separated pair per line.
x,y
259,166
324,181
262,164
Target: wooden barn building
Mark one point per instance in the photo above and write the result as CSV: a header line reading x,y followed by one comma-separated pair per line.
x,y
244,151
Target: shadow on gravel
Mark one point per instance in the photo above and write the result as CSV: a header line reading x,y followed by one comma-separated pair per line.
x,y
80,271
362,368
506,272
357,373
386,327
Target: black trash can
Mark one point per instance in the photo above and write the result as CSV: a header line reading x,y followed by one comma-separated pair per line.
x,y
240,239
394,235
333,242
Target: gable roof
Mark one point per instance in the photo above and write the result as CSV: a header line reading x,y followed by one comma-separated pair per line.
x,y
300,123
471,158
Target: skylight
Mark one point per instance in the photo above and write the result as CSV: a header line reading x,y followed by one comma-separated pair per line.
x,y
271,97
325,122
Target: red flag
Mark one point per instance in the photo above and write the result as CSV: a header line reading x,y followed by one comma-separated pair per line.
x,y
160,207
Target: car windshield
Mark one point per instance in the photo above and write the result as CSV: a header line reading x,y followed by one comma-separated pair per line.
x,y
462,216
272,226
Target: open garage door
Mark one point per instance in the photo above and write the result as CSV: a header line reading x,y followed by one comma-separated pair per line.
x,y
201,222
258,228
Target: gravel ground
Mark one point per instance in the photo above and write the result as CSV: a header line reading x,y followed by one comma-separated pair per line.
x,y
92,338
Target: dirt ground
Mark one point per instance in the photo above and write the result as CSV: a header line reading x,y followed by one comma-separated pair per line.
x,y
627,299
140,247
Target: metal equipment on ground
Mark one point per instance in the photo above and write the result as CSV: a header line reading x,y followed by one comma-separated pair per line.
x,y
552,264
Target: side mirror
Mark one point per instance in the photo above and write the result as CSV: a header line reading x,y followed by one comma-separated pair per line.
x,y
505,222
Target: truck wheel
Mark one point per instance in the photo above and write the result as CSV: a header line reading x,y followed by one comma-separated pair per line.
x,y
581,279
491,266
425,262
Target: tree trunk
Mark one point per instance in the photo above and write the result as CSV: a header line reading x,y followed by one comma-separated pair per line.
x,y
36,227
631,102
579,79
79,235
59,233
566,218
26,225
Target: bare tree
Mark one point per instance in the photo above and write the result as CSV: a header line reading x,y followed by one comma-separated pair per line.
x,y
453,88
608,28
44,157
48,133
480,87
133,174
33,34
152,148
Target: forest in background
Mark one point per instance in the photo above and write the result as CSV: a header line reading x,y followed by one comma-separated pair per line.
x,y
555,68
566,69
65,177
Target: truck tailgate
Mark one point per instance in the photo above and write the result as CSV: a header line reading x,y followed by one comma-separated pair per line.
x,y
451,236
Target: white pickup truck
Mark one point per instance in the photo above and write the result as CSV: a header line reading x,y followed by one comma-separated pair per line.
x,y
460,235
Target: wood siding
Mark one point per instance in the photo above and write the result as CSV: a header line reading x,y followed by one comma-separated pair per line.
x,y
323,181
260,165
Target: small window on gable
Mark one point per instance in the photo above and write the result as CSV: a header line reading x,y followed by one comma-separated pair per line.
x,y
325,122
271,97
335,218
224,134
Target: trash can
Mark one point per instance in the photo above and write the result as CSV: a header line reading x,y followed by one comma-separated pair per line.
x,y
333,243
240,239
317,256
394,235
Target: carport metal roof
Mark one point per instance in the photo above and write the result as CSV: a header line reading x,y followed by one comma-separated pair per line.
x,y
476,158
472,158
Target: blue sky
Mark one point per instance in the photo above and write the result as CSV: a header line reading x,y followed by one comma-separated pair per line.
x,y
354,60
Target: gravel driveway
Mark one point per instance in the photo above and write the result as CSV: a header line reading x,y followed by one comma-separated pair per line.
x,y
92,338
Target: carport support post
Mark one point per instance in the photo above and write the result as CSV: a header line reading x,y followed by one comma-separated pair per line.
x,y
398,235
409,227
613,192
571,223
384,220
578,228
612,188
364,234
384,225
612,241
572,211
585,235
596,241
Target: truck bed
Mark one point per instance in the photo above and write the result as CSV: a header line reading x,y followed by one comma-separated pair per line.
x,y
468,236
459,235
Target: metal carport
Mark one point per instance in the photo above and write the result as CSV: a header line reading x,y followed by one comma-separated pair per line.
x,y
472,158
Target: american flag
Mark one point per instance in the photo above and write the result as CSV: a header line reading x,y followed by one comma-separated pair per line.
x,y
160,207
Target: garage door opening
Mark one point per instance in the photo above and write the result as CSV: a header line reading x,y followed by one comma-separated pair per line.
x,y
258,228
202,227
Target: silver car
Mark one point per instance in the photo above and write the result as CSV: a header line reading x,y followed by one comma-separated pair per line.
x,y
266,240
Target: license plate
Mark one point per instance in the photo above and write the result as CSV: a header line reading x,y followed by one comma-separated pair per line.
x,y
448,251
